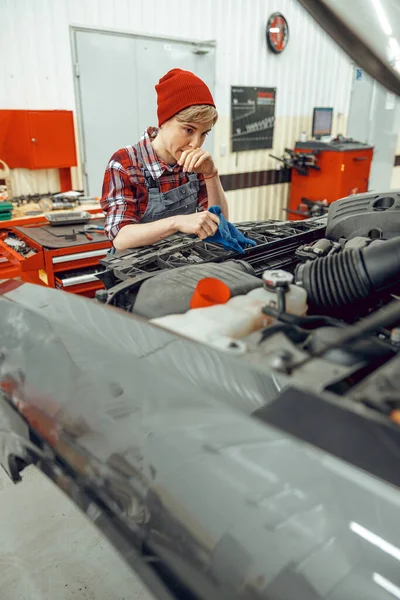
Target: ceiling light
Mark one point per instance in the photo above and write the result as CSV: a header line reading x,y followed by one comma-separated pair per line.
x,y
382,17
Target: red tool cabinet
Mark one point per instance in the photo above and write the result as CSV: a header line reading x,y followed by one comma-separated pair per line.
x,y
56,268
39,139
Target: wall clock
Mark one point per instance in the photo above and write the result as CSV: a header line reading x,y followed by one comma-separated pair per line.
x,y
277,33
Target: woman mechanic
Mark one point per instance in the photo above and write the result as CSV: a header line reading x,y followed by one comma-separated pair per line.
x,y
166,182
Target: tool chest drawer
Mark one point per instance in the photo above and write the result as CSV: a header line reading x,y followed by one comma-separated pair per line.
x,y
80,280
22,254
77,260
38,254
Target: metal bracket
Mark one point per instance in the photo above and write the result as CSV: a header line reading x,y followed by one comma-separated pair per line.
x,y
201,50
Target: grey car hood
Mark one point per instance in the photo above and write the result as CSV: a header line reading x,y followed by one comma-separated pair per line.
x,y
176,467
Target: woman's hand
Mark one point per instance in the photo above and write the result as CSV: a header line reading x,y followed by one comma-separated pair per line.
x,y
203,224
197,161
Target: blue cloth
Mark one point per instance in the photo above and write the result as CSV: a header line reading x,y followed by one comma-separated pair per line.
x,y
227,235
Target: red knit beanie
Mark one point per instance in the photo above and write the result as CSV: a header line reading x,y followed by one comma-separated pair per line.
x,y
177,90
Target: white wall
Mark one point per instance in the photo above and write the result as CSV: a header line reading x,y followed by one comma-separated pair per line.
x,y
37,72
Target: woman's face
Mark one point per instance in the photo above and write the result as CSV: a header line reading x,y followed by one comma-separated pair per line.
x,y
177,136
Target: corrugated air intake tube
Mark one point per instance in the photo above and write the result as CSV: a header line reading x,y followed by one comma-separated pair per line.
x,y
346,279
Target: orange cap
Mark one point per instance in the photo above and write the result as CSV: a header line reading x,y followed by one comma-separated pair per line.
x,y
210,291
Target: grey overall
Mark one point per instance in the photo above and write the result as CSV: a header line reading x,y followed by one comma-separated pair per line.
x,y
178,201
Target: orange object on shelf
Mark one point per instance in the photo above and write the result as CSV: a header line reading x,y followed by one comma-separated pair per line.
x,y
65,179
344,171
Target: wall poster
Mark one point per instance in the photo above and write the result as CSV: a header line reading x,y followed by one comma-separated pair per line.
x,y
252,118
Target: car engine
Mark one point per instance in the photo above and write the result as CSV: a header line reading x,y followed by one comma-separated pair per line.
x,y
315,301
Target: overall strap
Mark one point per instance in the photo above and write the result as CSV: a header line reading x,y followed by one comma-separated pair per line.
x,y
150,182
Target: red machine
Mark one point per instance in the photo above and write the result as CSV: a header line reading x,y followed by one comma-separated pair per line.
x,y
324,172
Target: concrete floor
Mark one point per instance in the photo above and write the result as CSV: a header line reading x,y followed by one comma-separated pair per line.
x,y
50,551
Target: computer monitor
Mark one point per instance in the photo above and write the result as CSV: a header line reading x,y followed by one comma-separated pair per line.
x,y
322,122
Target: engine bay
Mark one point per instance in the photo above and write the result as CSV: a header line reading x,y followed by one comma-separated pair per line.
x,y
315,301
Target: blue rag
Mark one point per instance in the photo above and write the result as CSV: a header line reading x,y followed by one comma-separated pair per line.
x,y
227,235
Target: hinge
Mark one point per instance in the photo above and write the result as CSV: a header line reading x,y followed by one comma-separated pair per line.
x,y
200,49
77,70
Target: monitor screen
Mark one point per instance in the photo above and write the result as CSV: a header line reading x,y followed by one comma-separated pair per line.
x,y
322,122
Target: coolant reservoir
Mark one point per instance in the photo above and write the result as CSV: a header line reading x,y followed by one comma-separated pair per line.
x,y
239,316
275,279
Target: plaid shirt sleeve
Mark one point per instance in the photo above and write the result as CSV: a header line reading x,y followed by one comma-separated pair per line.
x,y
119,199
202,202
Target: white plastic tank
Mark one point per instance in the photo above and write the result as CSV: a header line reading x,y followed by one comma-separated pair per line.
x,y
239,316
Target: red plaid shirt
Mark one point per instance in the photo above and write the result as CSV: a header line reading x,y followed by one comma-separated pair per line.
x,y
124,196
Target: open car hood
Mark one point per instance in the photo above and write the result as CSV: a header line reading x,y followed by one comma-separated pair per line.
x,y
202,497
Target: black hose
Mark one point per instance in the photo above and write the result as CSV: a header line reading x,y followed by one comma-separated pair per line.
x,y
275,328
388,316
346,279
294,333
311,322
334,281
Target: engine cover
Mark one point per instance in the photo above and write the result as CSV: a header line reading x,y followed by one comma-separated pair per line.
x,y
169,292
368,215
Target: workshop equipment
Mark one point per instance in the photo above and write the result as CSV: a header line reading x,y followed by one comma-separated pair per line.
x,y
87,235
93,228
309,208
5,211
301,161
322,172
39,139
63,200
326,172
68,218
63,256
24,199
50,201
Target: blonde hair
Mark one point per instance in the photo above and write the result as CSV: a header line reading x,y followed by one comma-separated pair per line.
x,y
198,113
